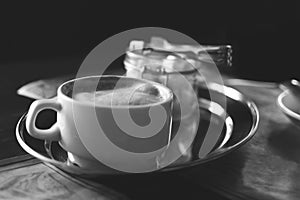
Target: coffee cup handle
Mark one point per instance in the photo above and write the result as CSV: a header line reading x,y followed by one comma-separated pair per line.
x,y
53,133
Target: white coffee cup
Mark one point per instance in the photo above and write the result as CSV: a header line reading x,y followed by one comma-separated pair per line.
x,y
78,124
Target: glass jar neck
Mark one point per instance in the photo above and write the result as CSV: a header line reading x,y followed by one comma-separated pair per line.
x,y
159,62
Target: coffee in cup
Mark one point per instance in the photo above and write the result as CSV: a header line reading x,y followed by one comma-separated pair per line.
x,y
135,94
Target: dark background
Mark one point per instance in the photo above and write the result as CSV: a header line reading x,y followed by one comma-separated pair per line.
x,y
45,38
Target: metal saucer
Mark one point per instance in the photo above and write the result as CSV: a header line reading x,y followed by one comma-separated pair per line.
x,y
240,124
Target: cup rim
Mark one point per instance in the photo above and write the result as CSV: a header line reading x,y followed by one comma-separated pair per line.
x,y
71,100
285,108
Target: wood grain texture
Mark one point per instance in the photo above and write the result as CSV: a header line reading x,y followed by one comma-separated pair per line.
x,y
41,182
267,167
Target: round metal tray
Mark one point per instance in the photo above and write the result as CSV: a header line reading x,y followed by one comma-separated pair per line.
x,y
239,122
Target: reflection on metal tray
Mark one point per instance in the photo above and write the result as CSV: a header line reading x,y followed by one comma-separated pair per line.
x,y
240,123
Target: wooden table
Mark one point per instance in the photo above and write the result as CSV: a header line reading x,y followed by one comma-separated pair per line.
x,y
267,167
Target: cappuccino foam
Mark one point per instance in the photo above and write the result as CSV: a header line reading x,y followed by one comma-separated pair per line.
x,y
137,94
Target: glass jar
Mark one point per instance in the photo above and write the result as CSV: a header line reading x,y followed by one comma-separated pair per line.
x,y
170,69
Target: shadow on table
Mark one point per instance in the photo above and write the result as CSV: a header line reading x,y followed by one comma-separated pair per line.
x,y
167,185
